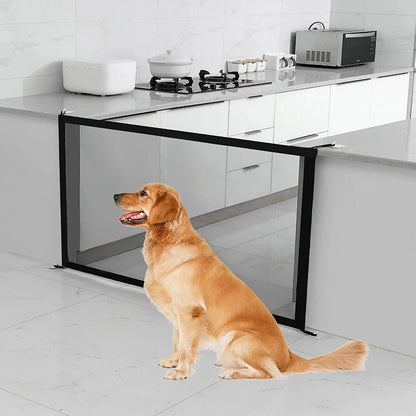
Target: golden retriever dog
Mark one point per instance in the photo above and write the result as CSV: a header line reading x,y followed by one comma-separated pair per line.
x,y
208,306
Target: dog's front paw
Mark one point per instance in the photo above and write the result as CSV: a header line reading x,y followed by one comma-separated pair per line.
x,y
176,375
168,363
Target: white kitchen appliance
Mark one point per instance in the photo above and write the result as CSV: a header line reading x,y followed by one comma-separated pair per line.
x,y
99,77
336,48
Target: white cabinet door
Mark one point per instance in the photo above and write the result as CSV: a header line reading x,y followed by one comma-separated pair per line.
x,y
301,113
389,99
196,170
248,183
238,158
253,113
147,119
350,106
209,118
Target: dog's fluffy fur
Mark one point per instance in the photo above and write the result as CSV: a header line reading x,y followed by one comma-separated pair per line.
x,y
208,306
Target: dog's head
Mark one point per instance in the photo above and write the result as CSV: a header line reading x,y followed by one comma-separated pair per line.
x,y
154,203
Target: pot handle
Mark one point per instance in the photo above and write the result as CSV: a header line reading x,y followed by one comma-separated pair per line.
x,y
202,74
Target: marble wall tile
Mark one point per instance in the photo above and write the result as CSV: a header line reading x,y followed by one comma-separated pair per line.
x,y
252,8
352,21
351,6
190,8
305,6
251,36
395,36
35,49
126,39
210,31
402,7
110,10
39,11
199,37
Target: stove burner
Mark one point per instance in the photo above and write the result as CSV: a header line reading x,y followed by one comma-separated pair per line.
x,y
223,78
205,83
171,86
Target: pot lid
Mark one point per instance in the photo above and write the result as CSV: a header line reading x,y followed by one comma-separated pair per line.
x,y
170,58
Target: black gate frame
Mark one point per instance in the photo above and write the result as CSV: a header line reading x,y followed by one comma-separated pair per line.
x,y
306,187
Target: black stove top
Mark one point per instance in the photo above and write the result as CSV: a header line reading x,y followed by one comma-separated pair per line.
x,y
205,83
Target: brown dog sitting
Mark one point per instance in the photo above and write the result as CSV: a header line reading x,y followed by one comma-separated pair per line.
x,y
208,306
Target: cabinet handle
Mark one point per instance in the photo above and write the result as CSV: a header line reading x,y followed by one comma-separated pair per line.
x,y
193,105
392,75
302,138
255,96
351,82
251,167
128,115
249,133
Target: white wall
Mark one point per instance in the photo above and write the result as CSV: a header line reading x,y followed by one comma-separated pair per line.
x,y
35,35
395,21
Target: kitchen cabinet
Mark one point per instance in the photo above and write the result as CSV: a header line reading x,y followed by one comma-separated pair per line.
x,y
285,168
248,183
248,171
238,158
196,170
350,106
147,119
367,103
209,118
252,113
301,113
389,99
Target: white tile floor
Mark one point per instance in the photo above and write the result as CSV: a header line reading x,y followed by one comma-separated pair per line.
x,y
74,344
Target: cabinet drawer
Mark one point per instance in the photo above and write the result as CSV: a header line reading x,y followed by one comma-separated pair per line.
x,y
285,172
246,184
148,119
239,158
301,113
207,118
253,113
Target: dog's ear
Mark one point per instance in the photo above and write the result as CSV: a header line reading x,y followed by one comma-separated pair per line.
x,y
166,207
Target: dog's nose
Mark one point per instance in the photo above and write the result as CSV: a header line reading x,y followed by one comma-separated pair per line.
x,y
116,198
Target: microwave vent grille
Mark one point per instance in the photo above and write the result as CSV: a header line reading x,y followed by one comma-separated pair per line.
x,y
318,56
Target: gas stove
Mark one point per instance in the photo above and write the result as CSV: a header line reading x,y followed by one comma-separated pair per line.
x,y
205,83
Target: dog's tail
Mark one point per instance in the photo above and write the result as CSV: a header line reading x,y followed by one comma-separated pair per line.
x,y
350,356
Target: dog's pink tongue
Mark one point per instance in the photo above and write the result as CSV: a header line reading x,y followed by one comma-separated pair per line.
x,y
132,216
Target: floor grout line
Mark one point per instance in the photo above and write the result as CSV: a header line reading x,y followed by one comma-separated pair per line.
x,y
33,401
50,312
186,398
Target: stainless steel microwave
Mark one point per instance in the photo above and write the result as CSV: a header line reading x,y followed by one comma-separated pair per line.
x,y
335,48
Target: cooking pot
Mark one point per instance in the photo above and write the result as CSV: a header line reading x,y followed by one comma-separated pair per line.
x,y
170,65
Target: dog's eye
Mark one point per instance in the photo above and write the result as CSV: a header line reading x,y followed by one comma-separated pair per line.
x,y
143,193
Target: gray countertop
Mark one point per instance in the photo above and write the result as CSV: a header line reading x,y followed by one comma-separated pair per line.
x,y
139,101
391,144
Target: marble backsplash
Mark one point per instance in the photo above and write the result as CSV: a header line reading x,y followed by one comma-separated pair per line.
x,y
395,22
35,36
